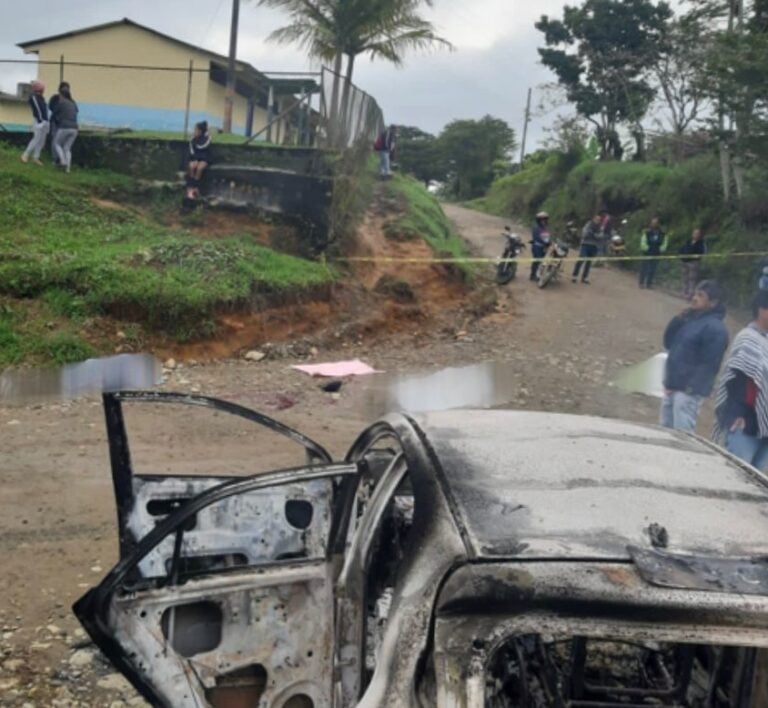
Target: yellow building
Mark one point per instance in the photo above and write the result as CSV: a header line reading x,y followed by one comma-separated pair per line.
x,y
153,93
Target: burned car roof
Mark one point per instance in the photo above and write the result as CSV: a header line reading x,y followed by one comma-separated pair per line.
x,y
541,485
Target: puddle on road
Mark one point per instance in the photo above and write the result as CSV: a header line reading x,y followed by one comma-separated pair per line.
x,y
486,385
112,373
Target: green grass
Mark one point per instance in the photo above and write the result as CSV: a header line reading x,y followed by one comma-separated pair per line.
x,y
77,258
423,217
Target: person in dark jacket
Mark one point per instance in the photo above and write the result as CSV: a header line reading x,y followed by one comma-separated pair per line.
x,y
65,114
40,123
692,251
385,146
696,341
63,86
652,243
199,158
540,240
591,235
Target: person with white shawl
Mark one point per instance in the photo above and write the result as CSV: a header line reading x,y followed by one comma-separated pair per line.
x,y
741,402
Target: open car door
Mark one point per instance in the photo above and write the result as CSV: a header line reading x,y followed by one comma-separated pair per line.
x,y
223,595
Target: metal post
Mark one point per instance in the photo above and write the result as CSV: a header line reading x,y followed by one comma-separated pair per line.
x,y
270,112
525,127
229,95
61,68
189,100
299,140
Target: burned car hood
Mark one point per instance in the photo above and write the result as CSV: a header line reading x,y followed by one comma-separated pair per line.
x,y
541,485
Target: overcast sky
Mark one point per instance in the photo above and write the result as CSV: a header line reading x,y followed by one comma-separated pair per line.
x,y
494,63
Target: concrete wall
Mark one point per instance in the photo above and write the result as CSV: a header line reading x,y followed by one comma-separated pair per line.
x,y
153,100
15,114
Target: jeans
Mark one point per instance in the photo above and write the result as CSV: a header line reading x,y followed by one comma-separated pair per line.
x,y
36,145
384,163
647,271
536,252
65,138
588,250
680,410
691,273
748,448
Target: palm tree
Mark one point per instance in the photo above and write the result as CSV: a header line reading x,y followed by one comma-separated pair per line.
x,y
332,29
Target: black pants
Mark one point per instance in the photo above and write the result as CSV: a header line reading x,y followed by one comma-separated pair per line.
x,y
647,272
588,250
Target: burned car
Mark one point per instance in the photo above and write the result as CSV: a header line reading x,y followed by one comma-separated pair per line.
x,y
459,558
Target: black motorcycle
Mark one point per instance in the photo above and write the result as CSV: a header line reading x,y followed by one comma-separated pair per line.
x,y
506,269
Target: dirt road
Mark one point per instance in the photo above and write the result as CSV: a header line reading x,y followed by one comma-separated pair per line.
x,y
559,349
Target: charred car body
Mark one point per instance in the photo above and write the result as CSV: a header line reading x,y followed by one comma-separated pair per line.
x,y
462,558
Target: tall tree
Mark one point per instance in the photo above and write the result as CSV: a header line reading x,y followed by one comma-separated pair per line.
x,y
600,53
419,154
473,150
332,29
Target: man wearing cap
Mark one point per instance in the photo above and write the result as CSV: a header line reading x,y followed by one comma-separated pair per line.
x,y
696,341
540,240
40,124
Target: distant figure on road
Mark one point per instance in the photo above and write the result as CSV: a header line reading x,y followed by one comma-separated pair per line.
x,y
696,341
591,235
741,402
65,115
199,158
692,251
40,123
51,113
385,146
653,243
540,240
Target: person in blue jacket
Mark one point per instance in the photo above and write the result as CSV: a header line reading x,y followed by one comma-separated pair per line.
x,y
540,240
653,243
696,341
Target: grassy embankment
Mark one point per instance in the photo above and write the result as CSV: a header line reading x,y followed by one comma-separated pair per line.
x,y
421,216
684,196
74,269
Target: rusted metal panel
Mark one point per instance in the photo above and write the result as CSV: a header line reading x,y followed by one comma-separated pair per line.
x,y
245,529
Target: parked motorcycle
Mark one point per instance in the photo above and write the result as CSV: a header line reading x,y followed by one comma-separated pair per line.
x,y
506,268
552,263
617,246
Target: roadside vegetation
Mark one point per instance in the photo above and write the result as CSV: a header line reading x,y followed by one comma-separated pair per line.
x,y
71,258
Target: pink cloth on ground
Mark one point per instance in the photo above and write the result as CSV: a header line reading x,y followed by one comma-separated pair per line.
x,y
334,369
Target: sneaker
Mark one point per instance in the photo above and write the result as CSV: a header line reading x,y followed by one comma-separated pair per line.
x,y
38,162
24,157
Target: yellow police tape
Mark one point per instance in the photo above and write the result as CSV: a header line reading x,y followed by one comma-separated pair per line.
x,y
529,259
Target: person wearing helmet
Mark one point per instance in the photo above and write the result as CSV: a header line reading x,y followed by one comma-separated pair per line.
x,y
40,123
540,239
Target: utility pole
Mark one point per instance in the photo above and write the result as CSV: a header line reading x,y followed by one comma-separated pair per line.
x,y
525,127
229,95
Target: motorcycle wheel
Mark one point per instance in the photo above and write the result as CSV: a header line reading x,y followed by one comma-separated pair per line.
x,y
505,271
546,273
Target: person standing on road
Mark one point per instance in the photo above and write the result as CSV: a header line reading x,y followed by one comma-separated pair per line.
x,y
696,341
40,123
51,111
653,244
540,240
591,235
385,146
692,251
65,114
741,401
